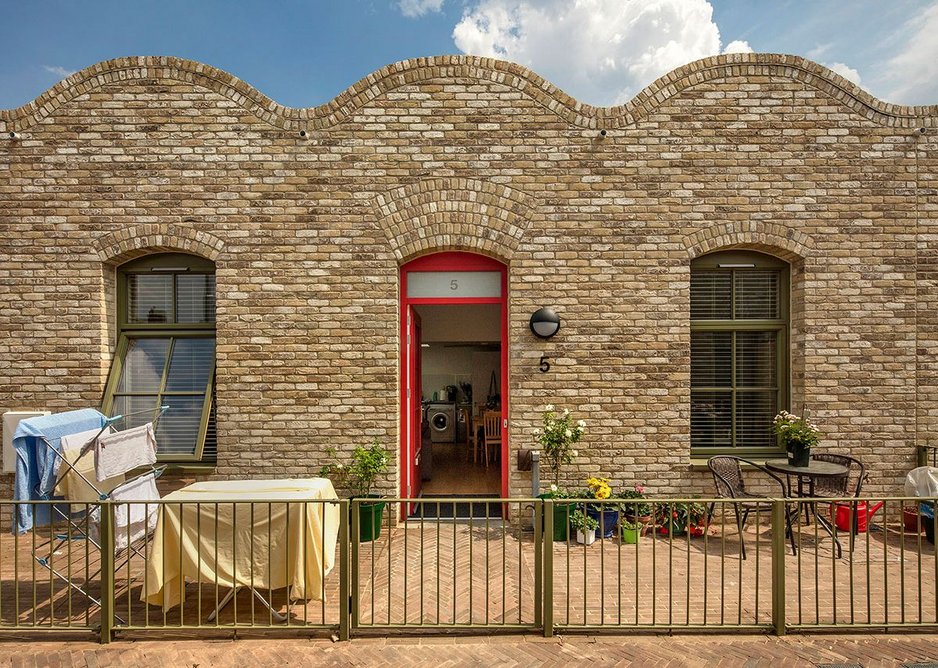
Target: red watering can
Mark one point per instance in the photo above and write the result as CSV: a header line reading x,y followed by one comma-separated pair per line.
x,y
843,514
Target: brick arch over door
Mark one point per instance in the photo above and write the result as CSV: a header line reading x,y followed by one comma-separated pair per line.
x,y
456,214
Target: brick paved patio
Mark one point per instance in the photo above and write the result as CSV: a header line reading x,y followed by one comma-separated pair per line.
x,y
455,574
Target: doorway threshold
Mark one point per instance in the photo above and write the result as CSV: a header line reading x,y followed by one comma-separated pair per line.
x,y
439,508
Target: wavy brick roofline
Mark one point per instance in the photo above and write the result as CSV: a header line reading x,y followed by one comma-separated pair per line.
x,y
417,70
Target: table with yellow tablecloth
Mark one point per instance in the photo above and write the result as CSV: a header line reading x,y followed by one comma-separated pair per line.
x,y
220,540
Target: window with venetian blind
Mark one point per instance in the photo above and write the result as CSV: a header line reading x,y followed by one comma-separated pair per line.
x,y
739,351
166,352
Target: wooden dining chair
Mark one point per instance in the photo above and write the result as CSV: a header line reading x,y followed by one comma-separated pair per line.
x,y
492,435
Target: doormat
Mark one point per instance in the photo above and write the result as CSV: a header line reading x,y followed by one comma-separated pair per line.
x,y
460,510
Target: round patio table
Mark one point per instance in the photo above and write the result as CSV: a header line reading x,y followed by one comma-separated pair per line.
x,y
814,469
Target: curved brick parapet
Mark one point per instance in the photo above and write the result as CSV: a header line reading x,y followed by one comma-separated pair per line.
x,y
134,241
417,70
453,214
786,243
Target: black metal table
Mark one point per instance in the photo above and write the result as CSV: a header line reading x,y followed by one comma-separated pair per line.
x,y
807,474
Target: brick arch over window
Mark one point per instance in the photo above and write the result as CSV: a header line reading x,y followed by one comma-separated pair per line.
x,y
454,214
135,241
783,242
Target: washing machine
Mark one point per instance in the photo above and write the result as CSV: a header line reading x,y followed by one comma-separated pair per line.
x,y
442,419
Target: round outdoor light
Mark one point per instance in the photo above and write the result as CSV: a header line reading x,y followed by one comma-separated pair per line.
x,y
545,323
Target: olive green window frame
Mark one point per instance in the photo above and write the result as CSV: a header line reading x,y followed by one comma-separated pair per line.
x,y
166,264
738,261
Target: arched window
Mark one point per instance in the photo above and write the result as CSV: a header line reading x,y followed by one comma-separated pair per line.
x,y
739,351
166,352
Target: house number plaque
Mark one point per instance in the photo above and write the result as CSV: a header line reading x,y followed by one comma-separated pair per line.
x,y
544,366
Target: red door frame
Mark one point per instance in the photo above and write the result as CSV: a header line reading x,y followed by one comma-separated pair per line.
x,y
453,261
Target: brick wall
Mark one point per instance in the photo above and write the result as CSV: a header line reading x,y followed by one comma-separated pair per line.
x,y
773,153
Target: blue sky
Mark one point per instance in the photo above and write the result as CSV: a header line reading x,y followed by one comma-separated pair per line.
x,y
304,52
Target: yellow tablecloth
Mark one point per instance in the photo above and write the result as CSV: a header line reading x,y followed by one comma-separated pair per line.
x,y
216,542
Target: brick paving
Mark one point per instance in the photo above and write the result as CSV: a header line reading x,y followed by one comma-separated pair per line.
x,y
514,650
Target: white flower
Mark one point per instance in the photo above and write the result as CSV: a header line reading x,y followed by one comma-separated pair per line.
x,y
581,424
568,433
340,466
549,407
566,412
537,431
573,453
553,488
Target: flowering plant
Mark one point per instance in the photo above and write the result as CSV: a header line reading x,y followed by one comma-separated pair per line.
x,y
598,488
795,431
556,438
675,517
635,509
554,492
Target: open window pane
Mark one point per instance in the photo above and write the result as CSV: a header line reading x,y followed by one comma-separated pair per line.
x,y
142,370
139,409
190,365
195,298
757,295
711,295
756,359
754,413
711,359
178,430
711,419
149,298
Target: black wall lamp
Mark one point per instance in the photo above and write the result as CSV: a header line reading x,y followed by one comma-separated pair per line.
x,y
545,323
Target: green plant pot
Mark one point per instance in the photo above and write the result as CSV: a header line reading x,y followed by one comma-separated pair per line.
x,y
370,517
630,536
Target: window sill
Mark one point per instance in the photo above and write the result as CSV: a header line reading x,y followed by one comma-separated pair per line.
x,y
187,468
699,463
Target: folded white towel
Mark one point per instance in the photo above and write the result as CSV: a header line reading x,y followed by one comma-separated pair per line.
x,y
122,451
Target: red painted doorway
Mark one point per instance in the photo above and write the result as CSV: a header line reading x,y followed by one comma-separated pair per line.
x,y
447,280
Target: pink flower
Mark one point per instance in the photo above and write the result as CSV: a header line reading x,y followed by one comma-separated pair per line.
x,y
640,489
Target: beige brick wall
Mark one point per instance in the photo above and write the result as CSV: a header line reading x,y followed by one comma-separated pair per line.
x,y
774,153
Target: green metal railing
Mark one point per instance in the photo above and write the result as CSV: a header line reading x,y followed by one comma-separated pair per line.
x,y
470,563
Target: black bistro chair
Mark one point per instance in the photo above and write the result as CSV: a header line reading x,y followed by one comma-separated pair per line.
x,y
848,485
728,479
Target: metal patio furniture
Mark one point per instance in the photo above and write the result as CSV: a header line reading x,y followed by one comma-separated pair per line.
x,y
728,479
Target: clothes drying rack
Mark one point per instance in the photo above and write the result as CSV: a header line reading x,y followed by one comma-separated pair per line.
x,y
78,523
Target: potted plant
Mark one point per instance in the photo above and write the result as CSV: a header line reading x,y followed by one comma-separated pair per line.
x,y
585,527
360,475
798,434
636,512
629,531
674,518
606,515
556,438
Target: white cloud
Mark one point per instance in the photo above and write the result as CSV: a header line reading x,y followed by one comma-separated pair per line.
x,y
58,70
913,72
416,8
846,72
817,52
599,51
738,46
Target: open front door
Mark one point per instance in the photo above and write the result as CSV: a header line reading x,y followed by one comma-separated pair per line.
x,y
414,408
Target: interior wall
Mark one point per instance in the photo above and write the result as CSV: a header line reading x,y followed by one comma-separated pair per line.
x,y
449,366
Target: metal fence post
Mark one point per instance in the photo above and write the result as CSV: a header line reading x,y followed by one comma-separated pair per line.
x,y
107,571
354,510
344,595
538,562
778,566
547,544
